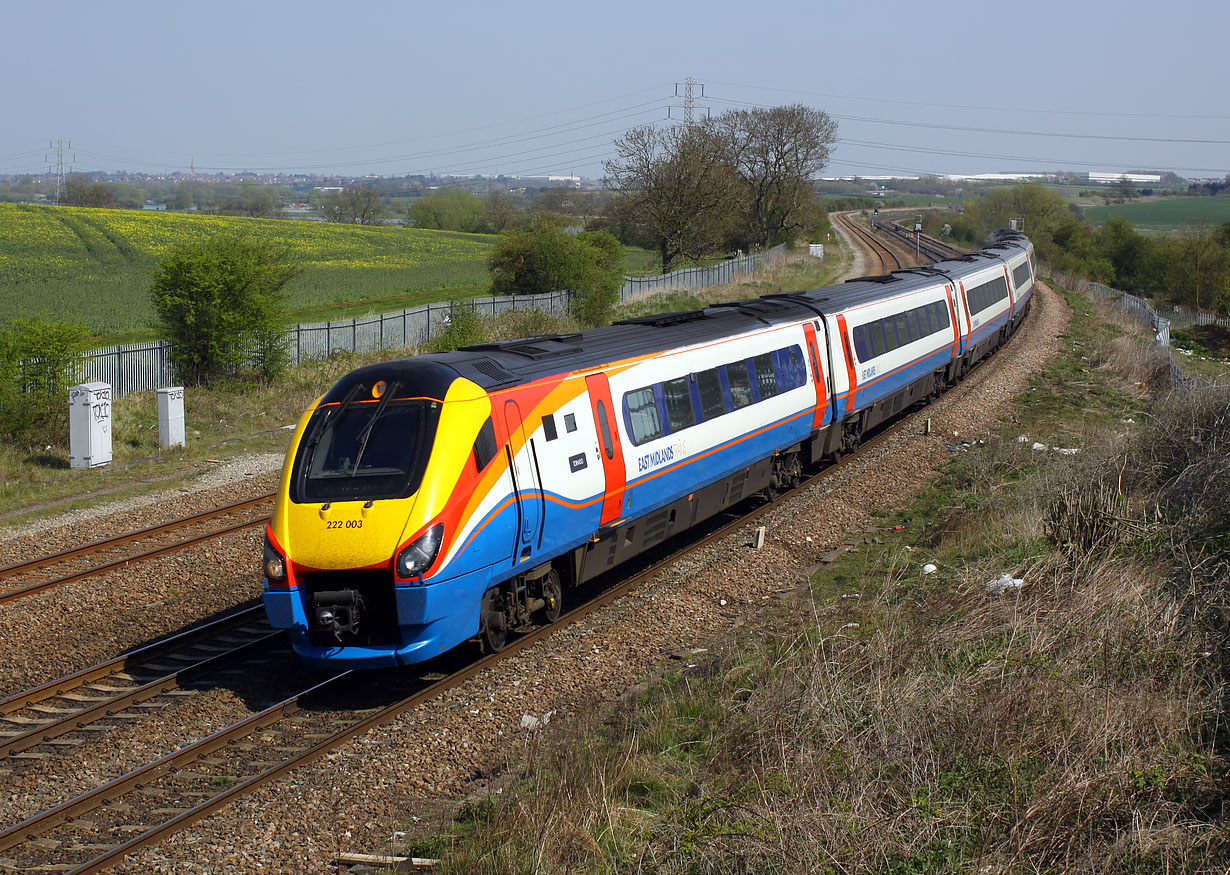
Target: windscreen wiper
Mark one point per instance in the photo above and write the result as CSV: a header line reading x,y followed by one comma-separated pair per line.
x,y
365,435
319,431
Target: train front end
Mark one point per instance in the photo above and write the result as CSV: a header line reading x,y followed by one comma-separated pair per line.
x,y
354,555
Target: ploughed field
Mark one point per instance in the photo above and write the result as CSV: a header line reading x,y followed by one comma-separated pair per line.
x,y
95,265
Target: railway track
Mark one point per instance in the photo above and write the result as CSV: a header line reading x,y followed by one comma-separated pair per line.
x,y
31,576
95,830
889,261
65,712
924,245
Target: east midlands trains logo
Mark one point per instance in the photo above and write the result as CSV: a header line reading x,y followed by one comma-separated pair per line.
x,y
657,458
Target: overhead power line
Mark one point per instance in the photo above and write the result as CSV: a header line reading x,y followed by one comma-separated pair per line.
x,y
1034,110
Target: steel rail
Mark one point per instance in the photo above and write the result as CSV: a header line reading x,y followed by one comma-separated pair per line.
x,y
110,667
136,779
108,707
877,248
13,570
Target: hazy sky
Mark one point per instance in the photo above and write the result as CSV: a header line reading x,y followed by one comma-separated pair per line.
x,y
390,88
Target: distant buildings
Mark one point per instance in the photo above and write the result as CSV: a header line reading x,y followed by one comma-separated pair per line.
x,y
1111,178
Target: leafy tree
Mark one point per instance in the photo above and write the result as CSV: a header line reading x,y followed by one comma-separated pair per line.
x,y
449,209
1200,270
778,152
222,303
678,186
39,360
598,277
546,258
360,205
81,191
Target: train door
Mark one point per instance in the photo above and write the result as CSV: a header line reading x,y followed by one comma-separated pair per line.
x,y
609,449
1011,293
817,368
527,488
955,315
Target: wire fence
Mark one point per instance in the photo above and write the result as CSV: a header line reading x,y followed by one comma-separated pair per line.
x,y
137,367
690,278
1160,325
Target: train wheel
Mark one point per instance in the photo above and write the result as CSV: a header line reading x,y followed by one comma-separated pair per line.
x,y
494,631
553,594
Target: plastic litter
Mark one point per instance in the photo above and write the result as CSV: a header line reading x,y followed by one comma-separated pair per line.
x,y
929,569
1004,583
529,721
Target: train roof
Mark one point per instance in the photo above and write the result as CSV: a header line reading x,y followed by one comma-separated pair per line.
x,y
507,363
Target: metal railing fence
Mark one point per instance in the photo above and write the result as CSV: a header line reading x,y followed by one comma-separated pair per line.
x,y
136,367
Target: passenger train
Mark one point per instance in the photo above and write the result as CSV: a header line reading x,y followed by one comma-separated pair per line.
x,y
429,500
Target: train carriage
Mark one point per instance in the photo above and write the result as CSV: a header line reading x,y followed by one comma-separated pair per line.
x,y
425,501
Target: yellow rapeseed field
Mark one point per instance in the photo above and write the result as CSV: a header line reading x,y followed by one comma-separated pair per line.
x,y
96,264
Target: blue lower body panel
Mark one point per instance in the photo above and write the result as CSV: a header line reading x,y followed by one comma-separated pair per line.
x,y
431,619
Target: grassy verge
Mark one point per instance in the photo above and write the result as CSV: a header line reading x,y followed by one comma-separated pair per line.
x,y
890,721
1203,351
249,417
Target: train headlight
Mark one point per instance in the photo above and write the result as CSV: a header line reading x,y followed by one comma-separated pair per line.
x,y
274,565
420,553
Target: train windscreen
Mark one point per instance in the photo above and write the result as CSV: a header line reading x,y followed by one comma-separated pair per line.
x,y
365,451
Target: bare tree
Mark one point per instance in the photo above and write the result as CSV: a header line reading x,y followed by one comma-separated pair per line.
x,y
676,185
777,152
360,205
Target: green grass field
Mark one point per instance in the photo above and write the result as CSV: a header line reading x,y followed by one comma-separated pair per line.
x,y
95,265
1167,214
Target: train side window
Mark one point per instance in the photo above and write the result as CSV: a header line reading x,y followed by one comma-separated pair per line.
x,y
740,384
890,333
875,338
924,321
1020,274
903,329
608,445
484,445
911,320
860,343
570,422
766,377
641,409
709,385
679,411
939,315
548,427
791,372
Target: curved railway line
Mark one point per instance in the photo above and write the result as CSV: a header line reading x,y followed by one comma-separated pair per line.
x,y
21,579
864,236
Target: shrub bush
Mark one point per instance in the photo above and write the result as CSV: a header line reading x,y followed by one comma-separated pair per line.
x,y
39,360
